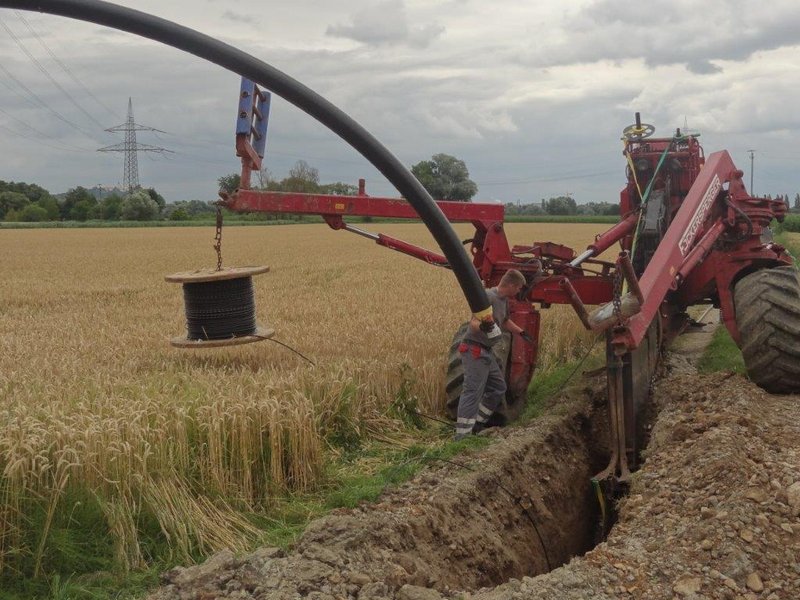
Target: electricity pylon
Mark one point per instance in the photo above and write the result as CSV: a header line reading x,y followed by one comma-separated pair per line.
x,y
131,148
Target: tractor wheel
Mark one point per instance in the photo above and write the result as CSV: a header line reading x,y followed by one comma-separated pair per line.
x,y
455,375
767,306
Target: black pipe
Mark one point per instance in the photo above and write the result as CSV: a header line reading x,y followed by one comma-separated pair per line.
x,y
233,59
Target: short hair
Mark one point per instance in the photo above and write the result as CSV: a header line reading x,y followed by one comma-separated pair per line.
x,y
512,277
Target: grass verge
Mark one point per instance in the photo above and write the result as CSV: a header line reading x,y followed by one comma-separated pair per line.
x,y
81,560
722,354
361,475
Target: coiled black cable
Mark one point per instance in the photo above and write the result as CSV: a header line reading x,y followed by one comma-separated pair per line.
x,y
218,310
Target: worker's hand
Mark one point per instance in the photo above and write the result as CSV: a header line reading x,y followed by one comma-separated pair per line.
x,y
490,328
487,325
526,336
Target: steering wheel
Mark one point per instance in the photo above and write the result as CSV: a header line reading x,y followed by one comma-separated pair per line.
x,y
637,131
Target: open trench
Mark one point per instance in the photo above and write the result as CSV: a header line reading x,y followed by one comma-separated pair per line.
x,y
715,510
521,507
518,508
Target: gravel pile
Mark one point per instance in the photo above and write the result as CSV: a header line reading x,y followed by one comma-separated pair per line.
x,y
713,513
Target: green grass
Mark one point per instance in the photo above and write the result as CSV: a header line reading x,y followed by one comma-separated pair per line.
x,y
722,354
256,219
229,222
790,223
549,383
80,556
562,218
792,246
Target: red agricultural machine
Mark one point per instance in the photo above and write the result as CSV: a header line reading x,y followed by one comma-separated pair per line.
x,y
689,233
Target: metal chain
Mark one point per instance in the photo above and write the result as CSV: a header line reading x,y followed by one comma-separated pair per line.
x,y
618,293
218,239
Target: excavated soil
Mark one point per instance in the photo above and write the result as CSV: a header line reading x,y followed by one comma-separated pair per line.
x,y
712,513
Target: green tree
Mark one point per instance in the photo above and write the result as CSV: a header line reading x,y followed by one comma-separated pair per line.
x,y
193,208
12,201
73,197
179,214
50,205
111,208
81,211
157,198
139,206
33,192
302,178
229,183
338,188
33,213
797,202
561,205
446,178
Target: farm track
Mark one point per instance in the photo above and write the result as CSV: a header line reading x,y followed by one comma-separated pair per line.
x,y
713,513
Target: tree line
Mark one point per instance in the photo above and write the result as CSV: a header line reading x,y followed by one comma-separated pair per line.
x,y
444,176
29,202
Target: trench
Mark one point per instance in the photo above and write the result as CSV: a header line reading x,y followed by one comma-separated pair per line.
x,y
521,507
537,507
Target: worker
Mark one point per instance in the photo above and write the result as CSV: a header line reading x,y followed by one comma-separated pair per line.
x,y
484,384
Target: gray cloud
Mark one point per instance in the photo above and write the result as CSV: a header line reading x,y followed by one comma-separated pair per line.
x,y
240,17
668,32
385,24
532,99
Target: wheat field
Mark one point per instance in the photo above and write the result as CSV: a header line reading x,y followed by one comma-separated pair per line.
x,y
95,403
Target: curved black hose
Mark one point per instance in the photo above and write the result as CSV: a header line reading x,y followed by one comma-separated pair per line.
x,y
233,59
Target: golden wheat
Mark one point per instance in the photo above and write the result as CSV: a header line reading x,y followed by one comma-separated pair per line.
x,y
93,398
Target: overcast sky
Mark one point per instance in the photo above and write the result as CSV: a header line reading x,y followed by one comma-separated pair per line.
x,y
533,96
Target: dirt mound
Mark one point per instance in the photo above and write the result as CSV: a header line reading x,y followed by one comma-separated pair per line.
x,y
713,513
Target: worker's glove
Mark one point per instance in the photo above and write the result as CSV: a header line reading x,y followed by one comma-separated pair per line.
x,y
526,336
490,328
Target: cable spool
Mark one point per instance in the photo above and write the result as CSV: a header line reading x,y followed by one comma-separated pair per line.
x,y
220,308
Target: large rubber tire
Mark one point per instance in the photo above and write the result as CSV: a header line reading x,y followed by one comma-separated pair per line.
x,y
455,374
767,306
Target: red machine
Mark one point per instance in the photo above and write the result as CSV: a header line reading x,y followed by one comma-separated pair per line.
x,y
689,234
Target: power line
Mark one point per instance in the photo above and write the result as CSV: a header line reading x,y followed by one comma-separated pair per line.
x,y
27,125
63,66
41,103
547,179
47,74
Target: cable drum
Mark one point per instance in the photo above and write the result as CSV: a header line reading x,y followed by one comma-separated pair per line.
x,y
220,307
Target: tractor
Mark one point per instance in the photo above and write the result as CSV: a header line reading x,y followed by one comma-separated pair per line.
x,y
688,234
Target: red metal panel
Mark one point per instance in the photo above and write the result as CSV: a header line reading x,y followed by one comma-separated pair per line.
x,y
324,204
591,290
686,227
523,356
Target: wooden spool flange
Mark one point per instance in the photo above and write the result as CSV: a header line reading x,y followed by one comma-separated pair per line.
x,y
205,275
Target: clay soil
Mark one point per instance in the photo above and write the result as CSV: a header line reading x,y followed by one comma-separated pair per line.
x,y
713,512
